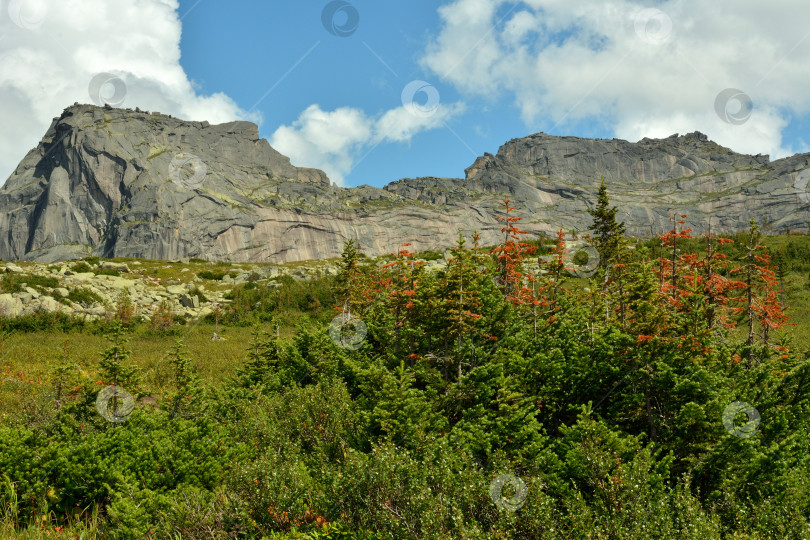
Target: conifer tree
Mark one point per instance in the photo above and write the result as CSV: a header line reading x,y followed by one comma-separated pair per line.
x,y
350,287
263,359
65,380
404,273
462,303
114,370
188,388
608,233
509,257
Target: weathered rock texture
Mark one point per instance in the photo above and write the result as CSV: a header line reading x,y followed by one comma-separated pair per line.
x,y
101,182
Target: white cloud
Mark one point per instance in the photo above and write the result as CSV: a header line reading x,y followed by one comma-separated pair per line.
x,y
335,141
49,66
565,62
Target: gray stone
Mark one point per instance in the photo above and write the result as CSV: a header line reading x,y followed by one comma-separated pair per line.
x,y
175,290
116,282
190,301
10,306
48,303
61,291
11,267
33,292
109,265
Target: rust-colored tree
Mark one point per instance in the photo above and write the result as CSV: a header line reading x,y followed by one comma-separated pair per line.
x,y
403,277
669,263
762,305
510,256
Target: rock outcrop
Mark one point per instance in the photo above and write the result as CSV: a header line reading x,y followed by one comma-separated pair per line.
x,y
122,183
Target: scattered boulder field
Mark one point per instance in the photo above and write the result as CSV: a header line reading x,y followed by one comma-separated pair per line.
x,y
91,290
191,288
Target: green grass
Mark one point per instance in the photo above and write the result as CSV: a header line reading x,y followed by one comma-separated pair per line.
x,y
27,358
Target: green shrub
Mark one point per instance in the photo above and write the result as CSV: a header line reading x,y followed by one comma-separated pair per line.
x,y
212,275
430,255
81,268
199,294
12,283
44,320
84,297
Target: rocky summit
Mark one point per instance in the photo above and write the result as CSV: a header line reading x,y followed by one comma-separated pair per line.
x,y
131,183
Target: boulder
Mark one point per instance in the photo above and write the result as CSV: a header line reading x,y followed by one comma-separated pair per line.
x,y
175,290
109,265
189,301
33,292
10,306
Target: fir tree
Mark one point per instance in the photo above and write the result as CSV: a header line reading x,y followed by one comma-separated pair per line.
x,y
263,359
349,279
187,394
462,303
114,370
113,360
608,233
65,379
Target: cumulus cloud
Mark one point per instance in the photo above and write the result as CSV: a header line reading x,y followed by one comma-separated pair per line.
x,y
641,71
336,141
50,50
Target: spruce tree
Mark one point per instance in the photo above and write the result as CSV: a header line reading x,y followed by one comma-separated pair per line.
x,y
113,368
188,388
607,232
349,278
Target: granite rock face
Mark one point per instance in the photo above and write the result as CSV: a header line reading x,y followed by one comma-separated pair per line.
x,y
554,181
124,183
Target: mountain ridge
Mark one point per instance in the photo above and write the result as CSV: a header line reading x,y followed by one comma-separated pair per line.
x,y
130,183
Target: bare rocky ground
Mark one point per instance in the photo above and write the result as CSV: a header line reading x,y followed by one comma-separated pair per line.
x,y
180,285
146,283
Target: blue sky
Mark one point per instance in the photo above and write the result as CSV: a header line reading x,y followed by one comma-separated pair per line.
x,y
494,70
272,37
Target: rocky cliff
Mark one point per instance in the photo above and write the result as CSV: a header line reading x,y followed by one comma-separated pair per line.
x,y
124,183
